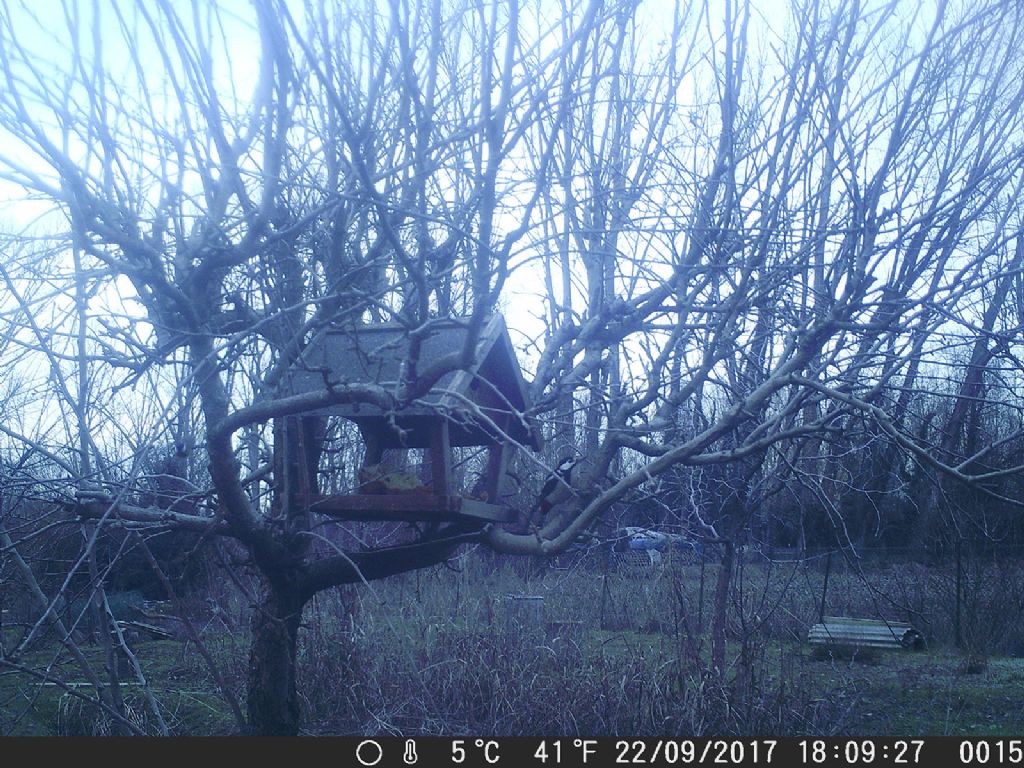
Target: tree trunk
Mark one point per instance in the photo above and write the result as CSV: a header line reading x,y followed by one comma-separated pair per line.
x,y
273,701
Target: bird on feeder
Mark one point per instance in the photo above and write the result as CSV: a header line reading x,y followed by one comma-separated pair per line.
x,y
549,492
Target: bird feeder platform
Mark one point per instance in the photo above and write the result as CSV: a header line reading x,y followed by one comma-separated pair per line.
x,y
409,507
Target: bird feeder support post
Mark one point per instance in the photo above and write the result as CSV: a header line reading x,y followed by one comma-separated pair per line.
x,y
302,462
497,468
441,459
292,470
374,446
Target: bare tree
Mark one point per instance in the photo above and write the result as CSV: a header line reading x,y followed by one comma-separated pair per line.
x,y
843,191
358,179
775,230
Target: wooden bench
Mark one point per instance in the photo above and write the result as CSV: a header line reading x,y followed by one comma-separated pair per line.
x,y
839,631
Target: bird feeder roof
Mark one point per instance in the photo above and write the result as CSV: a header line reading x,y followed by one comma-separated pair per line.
x,y
482,404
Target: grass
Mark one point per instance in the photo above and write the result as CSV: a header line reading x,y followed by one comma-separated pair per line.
x,y
620,653
30,706
927,693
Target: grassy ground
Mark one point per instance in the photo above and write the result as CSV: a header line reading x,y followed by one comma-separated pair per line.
x,y
929,694
618,653
36,705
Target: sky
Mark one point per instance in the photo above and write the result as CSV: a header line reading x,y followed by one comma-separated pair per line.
x,y
235,68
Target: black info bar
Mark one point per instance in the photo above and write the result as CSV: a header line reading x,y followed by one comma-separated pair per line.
x,y
524,752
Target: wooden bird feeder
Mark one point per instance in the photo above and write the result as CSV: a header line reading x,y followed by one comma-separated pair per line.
x,y
480,406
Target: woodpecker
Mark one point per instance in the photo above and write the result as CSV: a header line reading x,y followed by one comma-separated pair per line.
x,y
562,474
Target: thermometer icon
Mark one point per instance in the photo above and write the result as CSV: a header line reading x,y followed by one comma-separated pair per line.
x,y
410,756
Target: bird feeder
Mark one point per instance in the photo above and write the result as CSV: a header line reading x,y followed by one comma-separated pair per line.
x,y
482,405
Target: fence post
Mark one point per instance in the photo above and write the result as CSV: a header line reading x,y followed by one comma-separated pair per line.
x,y
604,588
700,600
824,588
959,596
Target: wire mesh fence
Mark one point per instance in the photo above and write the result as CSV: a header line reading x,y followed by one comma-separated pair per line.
x,y
963,598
